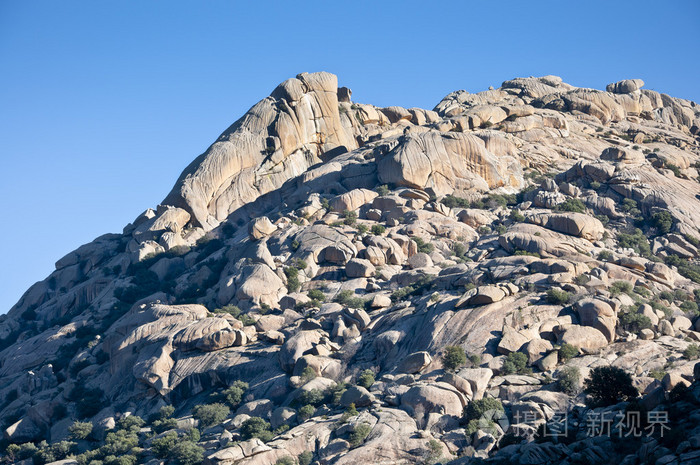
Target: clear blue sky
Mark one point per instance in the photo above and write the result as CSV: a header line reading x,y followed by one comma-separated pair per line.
x,y
103,103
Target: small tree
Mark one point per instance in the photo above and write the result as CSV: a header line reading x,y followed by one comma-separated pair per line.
x,y
256,427
454,358
569,379
187,453
692,352
608,385
359,434
515,362
234,393
211,414
557,296
366,379
305,458
306,412
80,430
567,351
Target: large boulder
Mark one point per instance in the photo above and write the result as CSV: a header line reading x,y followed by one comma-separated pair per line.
x,y
626,86
586,338
352,200
574,224
295,347
415,362
599,315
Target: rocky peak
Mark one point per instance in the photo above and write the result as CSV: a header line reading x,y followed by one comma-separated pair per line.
x,y
314,282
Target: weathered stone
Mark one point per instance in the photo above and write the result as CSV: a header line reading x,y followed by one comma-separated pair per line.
x,y
415,362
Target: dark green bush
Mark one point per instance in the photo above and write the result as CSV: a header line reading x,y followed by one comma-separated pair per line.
x,y
313,397
568,380
349,217
516,216
256,427
305,458
636,241
293,283
378,229
686,268
366,379
306,412
187,453
515,362
348,299
634,322
88,400
662,221
234,393
557,296
453,358
382,190
692,352
571,205
162,446
621,287
567,351
359,434
608,385
80,430
424,247
476,409
211,414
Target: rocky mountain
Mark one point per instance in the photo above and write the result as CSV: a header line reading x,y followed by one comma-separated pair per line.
x,y
336,283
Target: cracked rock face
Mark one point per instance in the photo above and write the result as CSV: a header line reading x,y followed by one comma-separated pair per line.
x,y
324,263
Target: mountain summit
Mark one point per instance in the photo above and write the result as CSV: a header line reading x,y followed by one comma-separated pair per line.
x,y
334,282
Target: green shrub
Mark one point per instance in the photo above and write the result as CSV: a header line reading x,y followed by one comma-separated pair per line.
x,y
348,299
234,393
256,427
631,207
568,380
453,358
378,229
211,414
362,229
315,294
349,217
80,430
608,385
634,322
162,446
359,434
567,351
187,453
515,362
475,359
685,267
164,424
605,256
305,458
662,221
306,412
557,297
293,283
382,190
88,400
307,375
571,205
313,397
477,409
692,352
689,306
54,452
424,247
336,391
350,412
453,202
366,379
595,185
286,461
516,216
636,241
620,287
